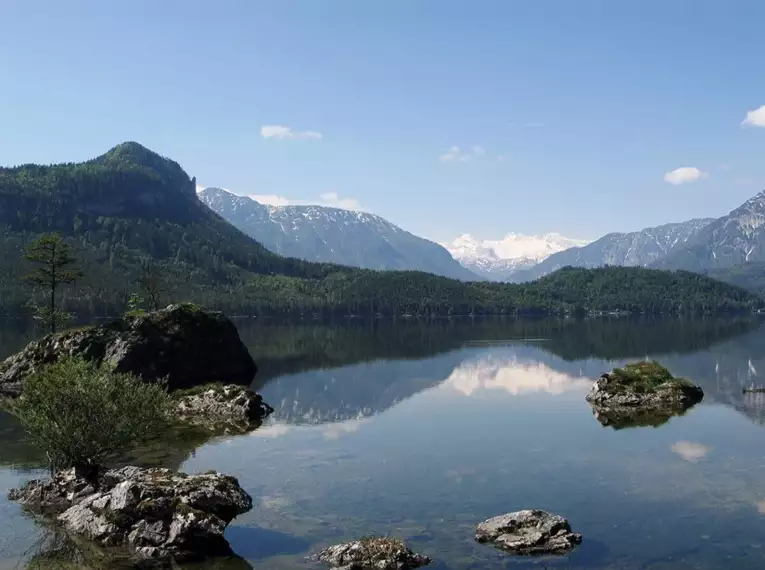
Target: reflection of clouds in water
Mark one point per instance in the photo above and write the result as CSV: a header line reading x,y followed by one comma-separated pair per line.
x,y
512,376
337,430
760,506
274,430
274,503
690,451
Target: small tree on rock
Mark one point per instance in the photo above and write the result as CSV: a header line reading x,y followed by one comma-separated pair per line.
x,y
82,415
55,262
153,284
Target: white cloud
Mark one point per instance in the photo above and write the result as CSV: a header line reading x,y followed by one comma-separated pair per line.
x,y
684,175
281,132
502,158
755,118
270,199
200,188
331,199
690,451
456,154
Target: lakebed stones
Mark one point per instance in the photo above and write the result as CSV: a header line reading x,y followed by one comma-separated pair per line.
x,y
529,532
159,514
183,344
372,553
643,393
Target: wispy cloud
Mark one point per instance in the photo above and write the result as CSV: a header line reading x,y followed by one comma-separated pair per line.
x,y
457,154
270,199
282,132
331,199
684,175
755,118
502,158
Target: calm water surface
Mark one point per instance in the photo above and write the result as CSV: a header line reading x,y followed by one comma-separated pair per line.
x,y
422,431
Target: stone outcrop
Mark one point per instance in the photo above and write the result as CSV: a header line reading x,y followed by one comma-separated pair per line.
x,y
643,393
529,532
158,514
218,405
372,553
183,344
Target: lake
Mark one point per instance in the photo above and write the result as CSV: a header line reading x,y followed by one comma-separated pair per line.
x,y
420,430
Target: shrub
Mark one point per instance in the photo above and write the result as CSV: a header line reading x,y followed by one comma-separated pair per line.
x,y
83,415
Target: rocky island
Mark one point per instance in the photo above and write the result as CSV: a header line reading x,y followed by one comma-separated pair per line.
x,y
182,344
158,514
642,393
372,553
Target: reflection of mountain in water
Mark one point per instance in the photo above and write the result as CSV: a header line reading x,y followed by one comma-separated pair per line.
x,y
556,362
507,370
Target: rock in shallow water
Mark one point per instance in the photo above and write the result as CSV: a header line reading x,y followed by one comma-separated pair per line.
x,y
158,513
182,343
529,532
217,404
372,553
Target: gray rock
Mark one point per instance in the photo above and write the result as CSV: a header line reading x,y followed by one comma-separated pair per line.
x,y
157,513
529,532
223,405
372,553
182,343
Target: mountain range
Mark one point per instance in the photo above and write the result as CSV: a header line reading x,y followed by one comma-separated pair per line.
x,y
500,260
633,249
333,235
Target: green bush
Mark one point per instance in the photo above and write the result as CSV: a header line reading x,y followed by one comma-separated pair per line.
x,y
83,415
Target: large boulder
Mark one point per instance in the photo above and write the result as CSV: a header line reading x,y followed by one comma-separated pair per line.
x,y
182,343
641,387
157,513
372,553
531,531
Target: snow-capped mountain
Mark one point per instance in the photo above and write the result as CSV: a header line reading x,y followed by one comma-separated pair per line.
x,y
735,239
499,260
333,235
640,248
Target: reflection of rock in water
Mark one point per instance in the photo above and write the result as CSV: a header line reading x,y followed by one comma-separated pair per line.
x,y
621,418
59,550
175,445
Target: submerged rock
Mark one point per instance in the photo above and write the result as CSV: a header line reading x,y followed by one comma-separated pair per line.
x,y
641,391
529,532
182,343
217,405
159,514
372,553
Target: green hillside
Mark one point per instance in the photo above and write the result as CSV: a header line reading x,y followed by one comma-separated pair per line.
x,y
131,204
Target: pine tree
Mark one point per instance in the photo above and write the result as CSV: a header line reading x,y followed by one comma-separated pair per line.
x,y
54,261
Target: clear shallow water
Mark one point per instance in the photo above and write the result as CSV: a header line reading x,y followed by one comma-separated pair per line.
x,y
422,431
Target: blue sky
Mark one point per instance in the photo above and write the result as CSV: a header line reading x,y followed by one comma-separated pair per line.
x,y
567,114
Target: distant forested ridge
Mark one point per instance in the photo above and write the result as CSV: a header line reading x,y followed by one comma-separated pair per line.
x,y
130,205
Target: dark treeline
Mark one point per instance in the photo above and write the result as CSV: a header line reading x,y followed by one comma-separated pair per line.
x,y
131,206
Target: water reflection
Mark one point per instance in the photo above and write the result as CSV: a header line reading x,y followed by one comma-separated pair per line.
x,y
421,431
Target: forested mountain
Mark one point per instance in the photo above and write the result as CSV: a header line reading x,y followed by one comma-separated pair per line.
x,y
735,239
333,235
634,249
131,205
